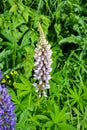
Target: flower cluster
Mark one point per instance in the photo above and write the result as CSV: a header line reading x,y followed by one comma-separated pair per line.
x,y
8,79
7,116
42,66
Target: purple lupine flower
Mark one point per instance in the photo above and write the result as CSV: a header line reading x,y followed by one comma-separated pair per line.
x,y
0,74
7,116
42,66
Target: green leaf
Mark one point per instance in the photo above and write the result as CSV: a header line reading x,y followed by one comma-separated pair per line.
x,y
42,117
25,41
23,117
58,77
71,39
13,95
21,86
48,124
57,28
4,54
23,28
22,94
8,37
67,127
13,8
25,81
25,15
54,88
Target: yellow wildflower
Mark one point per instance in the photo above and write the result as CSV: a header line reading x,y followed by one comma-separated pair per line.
x,y
9,81
3,80
15,72
11,73
7,77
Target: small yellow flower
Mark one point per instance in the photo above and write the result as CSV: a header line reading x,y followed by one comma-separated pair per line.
x,y
9,81
15,72
7,77
11,73
3,80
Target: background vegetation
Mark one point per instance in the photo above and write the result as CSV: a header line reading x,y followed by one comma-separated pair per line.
x,y
65,25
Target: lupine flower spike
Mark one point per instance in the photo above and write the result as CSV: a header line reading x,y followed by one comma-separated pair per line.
x,y
7,116
42,66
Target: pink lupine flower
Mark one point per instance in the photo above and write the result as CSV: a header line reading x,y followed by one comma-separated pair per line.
x,y
42,66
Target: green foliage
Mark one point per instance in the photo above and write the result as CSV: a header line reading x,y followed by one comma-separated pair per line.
x,y
77,96
28,61
64,23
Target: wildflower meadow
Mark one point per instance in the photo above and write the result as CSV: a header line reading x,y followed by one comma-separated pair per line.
x,y
43,65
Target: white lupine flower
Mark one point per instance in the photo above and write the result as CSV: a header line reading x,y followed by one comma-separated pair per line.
x,y
41,82
42,66
44,93
35,84
37,90
44,69
36,64
47,86
50,69
36,71
48,77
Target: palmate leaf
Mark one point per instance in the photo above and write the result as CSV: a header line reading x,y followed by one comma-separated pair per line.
x,y
8,44
4,53
77,96
62,117
25,81
23,88
23,118
73,93
8,37
27,102
59,116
